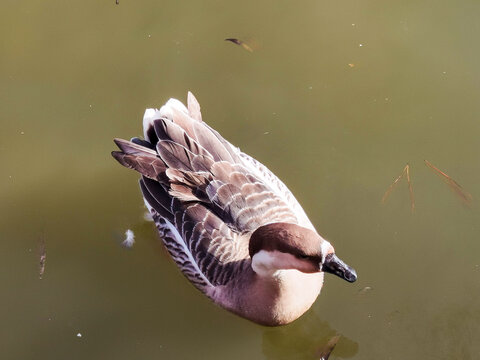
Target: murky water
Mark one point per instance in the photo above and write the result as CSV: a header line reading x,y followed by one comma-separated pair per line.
x,y
336,98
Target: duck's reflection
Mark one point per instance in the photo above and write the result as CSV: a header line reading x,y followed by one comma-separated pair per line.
x,y
305,338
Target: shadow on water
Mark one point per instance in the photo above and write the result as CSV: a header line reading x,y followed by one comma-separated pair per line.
x,y
304,339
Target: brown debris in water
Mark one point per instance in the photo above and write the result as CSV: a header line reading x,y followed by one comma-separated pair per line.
x,y
240,43
452,184
325,352
405,173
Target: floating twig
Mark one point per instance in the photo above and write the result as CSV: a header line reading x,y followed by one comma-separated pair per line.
x,y
405,173
391,187
325,352
410,188
240,43
456,188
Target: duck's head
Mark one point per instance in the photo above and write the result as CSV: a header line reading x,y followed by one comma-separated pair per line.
x,y
283,246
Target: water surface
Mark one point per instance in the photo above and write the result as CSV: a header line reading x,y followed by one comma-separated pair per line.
x,y
335,98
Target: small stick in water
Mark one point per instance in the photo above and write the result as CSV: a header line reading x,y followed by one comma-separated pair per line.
x,y
325,352
240,43
410,188
391,187
405,173
456,188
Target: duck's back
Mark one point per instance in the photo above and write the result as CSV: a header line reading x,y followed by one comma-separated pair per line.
x,y
205,195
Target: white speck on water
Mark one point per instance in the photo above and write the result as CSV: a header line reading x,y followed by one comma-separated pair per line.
x,y
79,335
149,35
129,240
365,290
310,87
90,106
444,72
360,45
386,99
266,133
353,24
22,132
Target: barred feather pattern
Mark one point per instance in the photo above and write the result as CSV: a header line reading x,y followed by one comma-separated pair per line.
x,y
205,196
279,188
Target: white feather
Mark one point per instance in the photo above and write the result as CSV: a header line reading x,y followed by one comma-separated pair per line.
x,y
129,239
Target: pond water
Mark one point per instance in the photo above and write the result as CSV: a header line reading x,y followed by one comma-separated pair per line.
x,y
336,98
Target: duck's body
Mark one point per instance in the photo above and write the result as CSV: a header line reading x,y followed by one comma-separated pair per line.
x,y
234,229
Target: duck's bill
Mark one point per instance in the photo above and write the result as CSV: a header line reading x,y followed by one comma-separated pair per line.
x,y
334,265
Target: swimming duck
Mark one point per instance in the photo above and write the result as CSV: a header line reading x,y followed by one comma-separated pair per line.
x,y
233,228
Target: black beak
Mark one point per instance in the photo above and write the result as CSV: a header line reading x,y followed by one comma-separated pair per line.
x,y
336,266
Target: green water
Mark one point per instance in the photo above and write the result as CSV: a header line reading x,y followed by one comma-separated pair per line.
x,y
75,74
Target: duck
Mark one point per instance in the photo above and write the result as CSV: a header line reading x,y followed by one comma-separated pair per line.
x,y
234,229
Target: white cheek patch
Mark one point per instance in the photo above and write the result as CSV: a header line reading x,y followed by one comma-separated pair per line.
x,y
263,263
274,263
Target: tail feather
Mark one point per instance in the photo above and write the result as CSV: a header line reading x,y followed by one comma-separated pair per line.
x,y
132,148
140,158
156,197
146,165
211,143
170,131
193,107
142,142
184,125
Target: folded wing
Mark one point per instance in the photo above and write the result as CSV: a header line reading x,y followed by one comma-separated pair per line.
x,y
205,195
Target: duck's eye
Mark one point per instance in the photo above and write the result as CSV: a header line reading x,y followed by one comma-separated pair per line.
x,y
303,256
